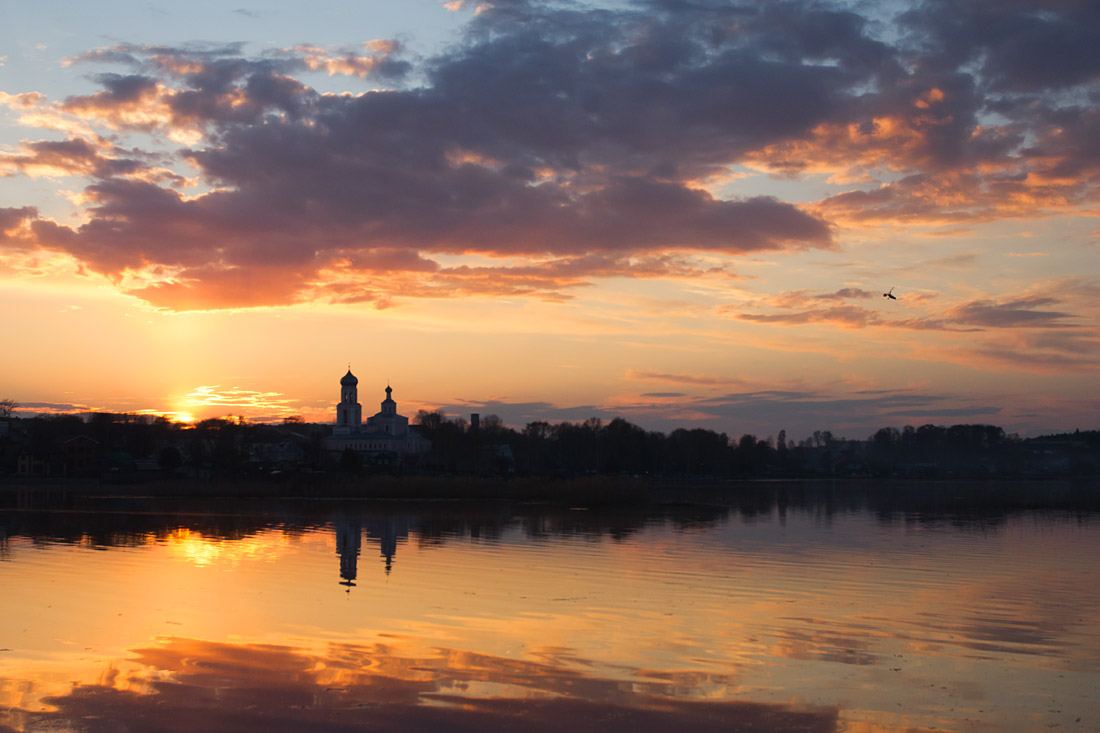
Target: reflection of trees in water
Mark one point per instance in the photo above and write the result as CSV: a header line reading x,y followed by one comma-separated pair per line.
x,y
135,525
131,521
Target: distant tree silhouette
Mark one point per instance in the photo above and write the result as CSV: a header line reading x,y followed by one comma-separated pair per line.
x,y
625,448
170,458
428,422
576,447
782,457
7,408
452,448
491,423
228,447
698,452
532,449
350,462
537,430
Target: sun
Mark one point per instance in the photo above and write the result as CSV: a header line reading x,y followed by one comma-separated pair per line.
x,y
181,417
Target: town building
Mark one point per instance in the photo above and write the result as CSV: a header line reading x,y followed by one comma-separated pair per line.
x,y
76,456
385,437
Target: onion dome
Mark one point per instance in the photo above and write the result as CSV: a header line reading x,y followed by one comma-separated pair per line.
x,y
349,379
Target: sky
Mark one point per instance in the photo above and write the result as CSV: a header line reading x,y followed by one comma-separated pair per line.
x,y
681,212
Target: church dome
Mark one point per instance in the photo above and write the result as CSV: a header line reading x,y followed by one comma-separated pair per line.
x,y
349,380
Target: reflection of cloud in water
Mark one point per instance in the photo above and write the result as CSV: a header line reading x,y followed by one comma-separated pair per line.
x,y
810,645
189,684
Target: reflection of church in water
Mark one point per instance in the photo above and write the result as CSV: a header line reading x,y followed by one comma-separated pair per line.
x,y
385,531
384,435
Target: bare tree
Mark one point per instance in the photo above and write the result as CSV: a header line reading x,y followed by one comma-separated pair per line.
x,y
7,408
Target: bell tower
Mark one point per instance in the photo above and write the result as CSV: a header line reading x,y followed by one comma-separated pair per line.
x,y
389,407
349,413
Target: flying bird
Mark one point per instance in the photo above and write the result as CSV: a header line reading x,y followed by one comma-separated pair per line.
x,y
889,294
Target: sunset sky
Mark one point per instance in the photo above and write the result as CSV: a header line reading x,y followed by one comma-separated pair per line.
x,y
682,213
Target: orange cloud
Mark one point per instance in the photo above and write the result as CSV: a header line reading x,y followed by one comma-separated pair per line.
x,y
690,379
214,288
20,101
82,157
210,400
379,61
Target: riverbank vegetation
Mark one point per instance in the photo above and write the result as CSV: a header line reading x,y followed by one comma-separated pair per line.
x,y
126,448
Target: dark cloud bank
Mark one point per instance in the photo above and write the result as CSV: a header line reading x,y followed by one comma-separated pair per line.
x,y
557,133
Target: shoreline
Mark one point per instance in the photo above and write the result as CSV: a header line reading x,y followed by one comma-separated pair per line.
x,y
901,494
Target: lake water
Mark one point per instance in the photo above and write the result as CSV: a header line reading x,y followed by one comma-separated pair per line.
x,y
769,614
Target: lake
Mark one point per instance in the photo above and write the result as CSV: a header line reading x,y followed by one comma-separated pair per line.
x,y
819,607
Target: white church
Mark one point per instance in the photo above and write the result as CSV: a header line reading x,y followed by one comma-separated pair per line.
x,y
384,433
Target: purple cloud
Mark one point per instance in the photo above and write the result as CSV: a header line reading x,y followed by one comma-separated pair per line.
x,y
566,132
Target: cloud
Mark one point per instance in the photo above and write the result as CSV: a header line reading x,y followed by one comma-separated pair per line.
x,y
559,133
81,157
969,316
799,409
12,219
208,399
929,144
214,288
1007,40
276,687
309,184
960,261
1063,341
853,416
51,408
692,379
380,62
1042,362
1019,313
20,101
851,316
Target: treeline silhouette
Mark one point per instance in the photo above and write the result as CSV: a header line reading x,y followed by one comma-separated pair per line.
x,y
620,447
128,446
125,446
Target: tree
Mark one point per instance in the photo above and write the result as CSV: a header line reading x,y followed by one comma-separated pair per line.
x,y
351,462
429,422
491,422
170,458
624,448
698,452
537,430
7,408
781,448
748,455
